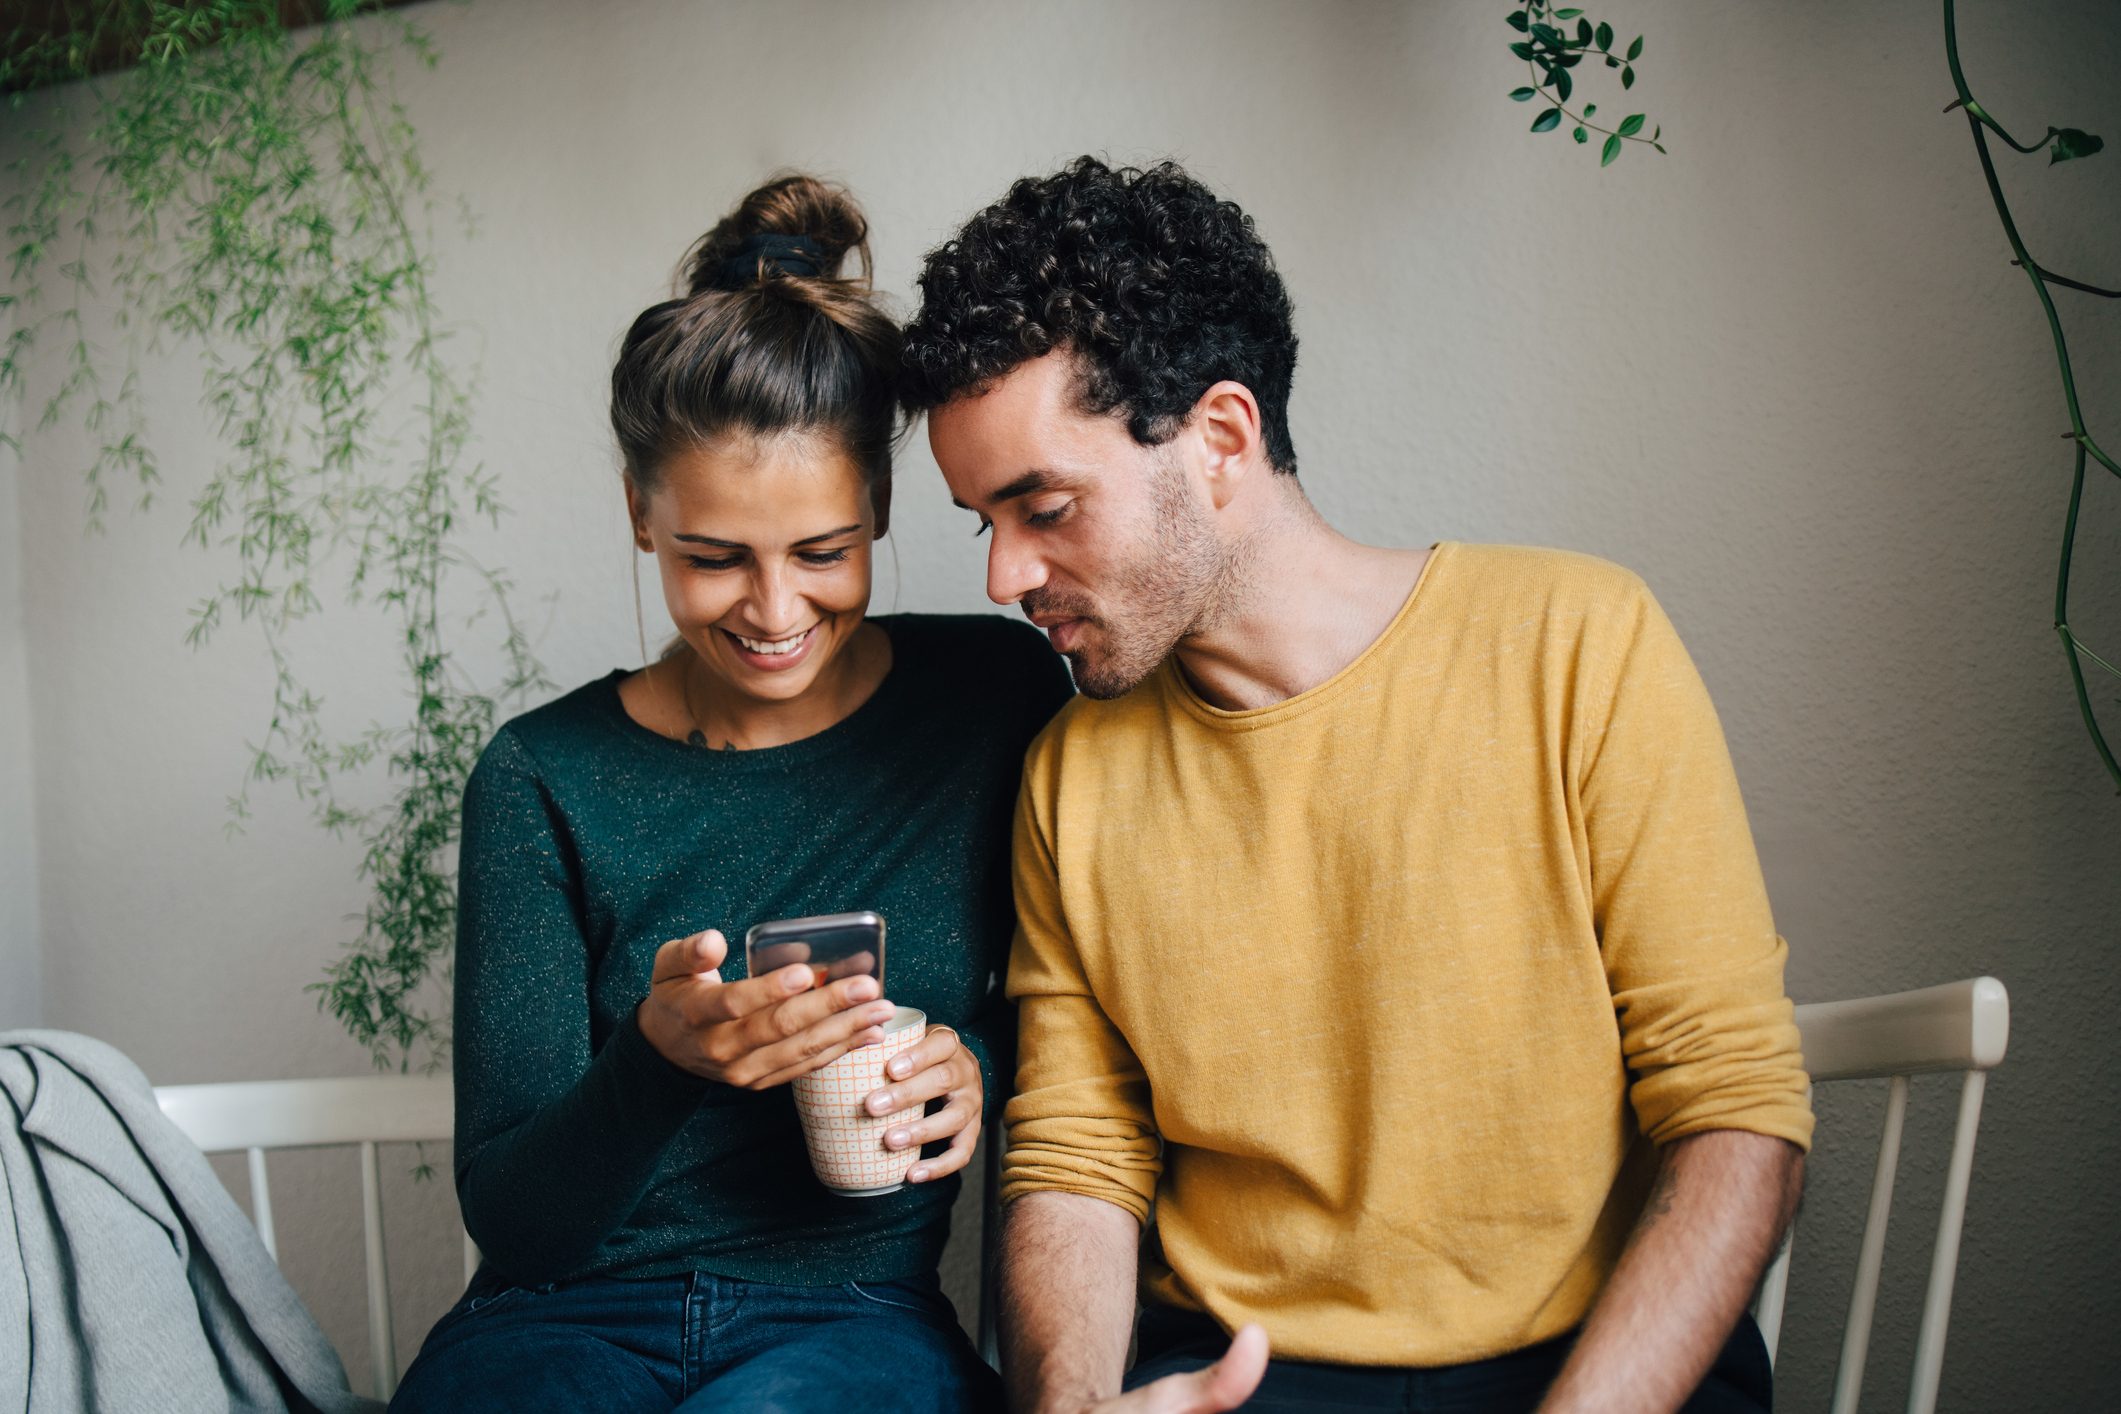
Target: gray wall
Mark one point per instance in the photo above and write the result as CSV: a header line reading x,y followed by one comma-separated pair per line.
x,y
1785,373
20,953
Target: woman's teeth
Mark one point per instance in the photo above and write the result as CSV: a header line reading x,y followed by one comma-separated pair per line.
x,y
772,648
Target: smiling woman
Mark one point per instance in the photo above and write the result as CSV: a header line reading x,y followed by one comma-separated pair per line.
x,y
629,1159
764,546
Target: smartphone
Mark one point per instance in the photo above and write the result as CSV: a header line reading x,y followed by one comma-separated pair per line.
x,y
835,945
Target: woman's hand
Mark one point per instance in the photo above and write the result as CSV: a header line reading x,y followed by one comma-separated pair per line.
x,y
762,1031
939,1065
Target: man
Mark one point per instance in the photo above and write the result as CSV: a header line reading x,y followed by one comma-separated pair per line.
x,y
1390,928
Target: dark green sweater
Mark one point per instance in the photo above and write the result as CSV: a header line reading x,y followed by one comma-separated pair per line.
x,y
590,840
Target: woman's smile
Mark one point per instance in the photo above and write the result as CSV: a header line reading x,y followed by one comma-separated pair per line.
x,y
772,655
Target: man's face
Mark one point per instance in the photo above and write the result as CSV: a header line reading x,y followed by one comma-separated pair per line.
x,y
1108,545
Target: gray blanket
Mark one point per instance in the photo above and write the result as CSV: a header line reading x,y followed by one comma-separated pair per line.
x,y
129,1279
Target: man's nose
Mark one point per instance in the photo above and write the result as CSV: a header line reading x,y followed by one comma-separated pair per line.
x,y
1012,570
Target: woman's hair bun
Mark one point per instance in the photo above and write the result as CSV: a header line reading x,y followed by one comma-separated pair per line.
x,y
793,227
767,338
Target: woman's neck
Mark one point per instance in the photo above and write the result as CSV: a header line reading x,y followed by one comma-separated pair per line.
x,y
724,720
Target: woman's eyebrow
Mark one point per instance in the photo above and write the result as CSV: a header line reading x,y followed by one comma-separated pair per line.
x,y
829,535
740,545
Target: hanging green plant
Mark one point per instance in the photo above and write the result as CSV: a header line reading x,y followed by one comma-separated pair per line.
x,y
2061,145
1552,49
237,181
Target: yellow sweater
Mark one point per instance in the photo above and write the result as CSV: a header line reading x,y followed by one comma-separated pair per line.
x,y
1381,994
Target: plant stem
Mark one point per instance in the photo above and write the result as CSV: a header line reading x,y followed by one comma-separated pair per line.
x,y
1576,118
1976,119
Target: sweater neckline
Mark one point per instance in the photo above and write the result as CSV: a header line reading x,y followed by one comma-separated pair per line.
x,y
1179,692
857,727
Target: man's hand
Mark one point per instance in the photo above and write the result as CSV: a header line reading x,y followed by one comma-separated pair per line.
x,y
1226,1384
760,1032
1067,1294
1722,1202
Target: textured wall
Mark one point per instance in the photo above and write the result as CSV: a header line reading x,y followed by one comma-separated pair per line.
x,y
21,952
1786,373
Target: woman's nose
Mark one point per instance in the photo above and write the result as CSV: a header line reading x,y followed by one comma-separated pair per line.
x,y
773,600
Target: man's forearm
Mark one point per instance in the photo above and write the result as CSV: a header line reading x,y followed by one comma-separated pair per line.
x,y
1067,1299
1721,1204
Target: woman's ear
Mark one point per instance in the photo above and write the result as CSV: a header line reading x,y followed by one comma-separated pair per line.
x,y
637,517
880,502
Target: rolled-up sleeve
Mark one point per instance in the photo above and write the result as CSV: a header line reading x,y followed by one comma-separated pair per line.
x,y
1080,1121
1689,945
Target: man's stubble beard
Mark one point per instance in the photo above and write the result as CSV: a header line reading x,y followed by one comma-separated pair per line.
x,y
1181,581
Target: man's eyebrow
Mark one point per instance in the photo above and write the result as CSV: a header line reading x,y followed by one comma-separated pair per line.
x,y
1036,479
740,545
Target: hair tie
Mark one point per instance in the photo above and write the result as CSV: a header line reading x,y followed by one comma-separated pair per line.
x,y
782,255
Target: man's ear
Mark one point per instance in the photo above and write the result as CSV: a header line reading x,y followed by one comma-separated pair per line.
x,y
880,502
637,517
1226,420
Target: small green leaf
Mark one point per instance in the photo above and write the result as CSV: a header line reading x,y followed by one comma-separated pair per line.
x,y
1583,32
1568,14
1660,148
1611,62
1658,134
1605,36
1521,49
1562,84
1589,109
1627,76
1635,49
1521,94
1580,135
1612,150
1548,121
1518,21
1548,34
2073,142
1631,124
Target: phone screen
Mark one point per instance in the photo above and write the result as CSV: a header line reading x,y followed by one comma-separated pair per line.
x,y
835,945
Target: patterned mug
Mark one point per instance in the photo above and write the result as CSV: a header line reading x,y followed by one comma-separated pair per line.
x,y
846,1141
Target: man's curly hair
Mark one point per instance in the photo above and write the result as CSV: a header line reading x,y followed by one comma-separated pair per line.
x,y
1160,289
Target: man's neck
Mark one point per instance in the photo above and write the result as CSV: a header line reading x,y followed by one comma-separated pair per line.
x,y
1306,603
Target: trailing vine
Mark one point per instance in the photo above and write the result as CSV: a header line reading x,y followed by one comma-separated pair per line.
x,y
1550,52
2061,145
253,191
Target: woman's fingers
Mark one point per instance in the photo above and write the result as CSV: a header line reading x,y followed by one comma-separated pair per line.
x,y
951,1159
939,1079
939,1045
793,1013
817,1044
825,1057
915,1130
733,1001
689,957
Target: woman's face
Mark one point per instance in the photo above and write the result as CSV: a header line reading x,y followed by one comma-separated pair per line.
x,y
764,546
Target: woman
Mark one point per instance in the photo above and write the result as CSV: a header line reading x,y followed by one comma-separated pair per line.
x,y
628,1157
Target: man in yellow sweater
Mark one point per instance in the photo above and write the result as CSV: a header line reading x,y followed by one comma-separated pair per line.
x,y
1396,981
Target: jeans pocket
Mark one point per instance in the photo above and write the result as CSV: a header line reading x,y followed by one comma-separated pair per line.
x,y
472,1305
921,1298
485,1294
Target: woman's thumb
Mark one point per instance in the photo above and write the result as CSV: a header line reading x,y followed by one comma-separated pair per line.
x,y
709,949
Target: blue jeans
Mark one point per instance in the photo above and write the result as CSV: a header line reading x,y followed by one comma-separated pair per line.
x,y
1173,1341
697,1342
